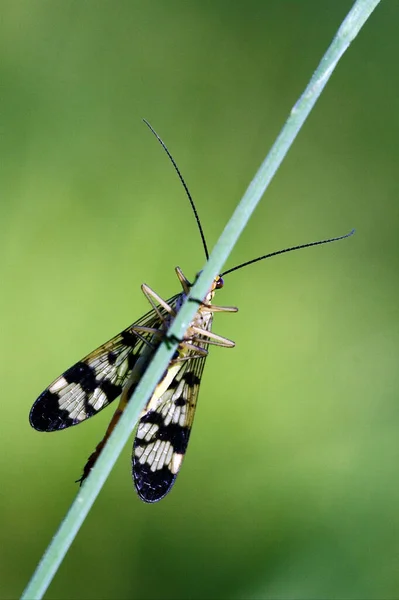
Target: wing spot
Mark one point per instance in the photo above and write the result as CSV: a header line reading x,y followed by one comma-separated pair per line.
x,y
58,384
191,378
131,360
176,462
71,392
47,415
111,390
111,357
82,374
129,338
98,399
180,401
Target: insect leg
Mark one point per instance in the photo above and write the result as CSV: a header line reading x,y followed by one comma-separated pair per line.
x,y
152,298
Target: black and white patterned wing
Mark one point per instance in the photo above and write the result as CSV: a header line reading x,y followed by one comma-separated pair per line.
x,y
95,381
163,433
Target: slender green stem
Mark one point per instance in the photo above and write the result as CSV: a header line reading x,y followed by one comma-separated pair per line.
x,y
86,496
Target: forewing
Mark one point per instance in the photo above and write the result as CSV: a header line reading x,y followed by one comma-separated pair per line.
x,y
163,433
95,381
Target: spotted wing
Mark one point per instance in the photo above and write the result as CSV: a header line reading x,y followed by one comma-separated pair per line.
x,y
163,433
95,381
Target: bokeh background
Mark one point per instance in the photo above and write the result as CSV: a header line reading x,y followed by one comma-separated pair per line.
x,y
290,488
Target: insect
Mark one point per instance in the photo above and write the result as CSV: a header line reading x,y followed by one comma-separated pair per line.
x,y
115,368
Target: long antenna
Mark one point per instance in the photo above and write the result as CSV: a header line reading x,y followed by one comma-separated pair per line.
x,y
250,262
185,187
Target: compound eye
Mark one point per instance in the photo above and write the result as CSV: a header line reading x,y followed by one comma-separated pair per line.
x,y
219,282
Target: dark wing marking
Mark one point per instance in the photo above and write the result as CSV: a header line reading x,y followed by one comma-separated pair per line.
x,y
162,435
95,381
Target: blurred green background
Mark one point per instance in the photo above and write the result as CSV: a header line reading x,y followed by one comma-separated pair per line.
x,y
291,484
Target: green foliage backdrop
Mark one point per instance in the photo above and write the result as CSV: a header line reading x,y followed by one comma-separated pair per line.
x,y
291,484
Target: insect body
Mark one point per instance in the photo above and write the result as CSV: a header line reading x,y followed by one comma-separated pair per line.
x,y
116,367
114,370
